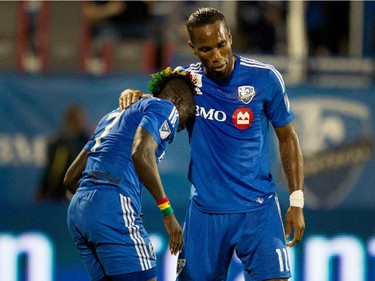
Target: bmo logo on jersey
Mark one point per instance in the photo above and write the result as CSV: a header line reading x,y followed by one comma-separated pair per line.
x,y
242,118
210,114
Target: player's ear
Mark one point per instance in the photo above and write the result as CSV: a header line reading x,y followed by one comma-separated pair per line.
x,y
178,101
192,47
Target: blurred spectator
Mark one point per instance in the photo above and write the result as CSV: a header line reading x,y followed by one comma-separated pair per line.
x,y
113,21
63,147
32,37
33,12
328,27
261,26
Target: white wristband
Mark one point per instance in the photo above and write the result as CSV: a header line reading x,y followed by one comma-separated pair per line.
x,y
296,199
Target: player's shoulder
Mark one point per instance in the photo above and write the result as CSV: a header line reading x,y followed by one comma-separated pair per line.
x,y
161,109
265,70
252,64
155,104
108,115
154,101
196,67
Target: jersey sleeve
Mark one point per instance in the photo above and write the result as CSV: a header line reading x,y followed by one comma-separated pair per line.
x,y
278,106
161,120
90,143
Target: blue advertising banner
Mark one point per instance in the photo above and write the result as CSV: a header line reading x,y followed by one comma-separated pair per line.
x,y
31,110
336,128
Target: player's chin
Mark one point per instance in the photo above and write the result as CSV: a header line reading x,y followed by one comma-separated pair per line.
x,y
218,74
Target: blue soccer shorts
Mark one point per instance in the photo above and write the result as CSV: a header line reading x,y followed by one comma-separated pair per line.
x,y
110,235
257,237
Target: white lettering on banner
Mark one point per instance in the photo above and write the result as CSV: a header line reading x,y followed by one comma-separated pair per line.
x,y
20,150
371,247
320,250
38,251
211,114
317,256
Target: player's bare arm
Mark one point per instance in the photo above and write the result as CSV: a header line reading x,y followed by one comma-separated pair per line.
x,y
143,155
292,161
74,172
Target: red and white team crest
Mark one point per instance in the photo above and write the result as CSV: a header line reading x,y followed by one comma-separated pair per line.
x,y
246,93
242,118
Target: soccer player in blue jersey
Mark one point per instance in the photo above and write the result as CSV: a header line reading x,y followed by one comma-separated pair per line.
x,y
233,205
104,215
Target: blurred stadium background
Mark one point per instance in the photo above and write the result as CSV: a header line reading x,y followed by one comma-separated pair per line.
x,y
325,51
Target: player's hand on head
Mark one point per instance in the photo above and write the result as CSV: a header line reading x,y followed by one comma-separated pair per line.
x,y
174,230
130,96
294,220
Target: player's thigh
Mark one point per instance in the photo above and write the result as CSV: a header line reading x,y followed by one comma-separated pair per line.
x,y
76,218
149,275
262,247
91,262
207,250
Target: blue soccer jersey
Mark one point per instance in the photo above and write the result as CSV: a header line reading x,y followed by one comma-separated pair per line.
x,y
110,161
229,139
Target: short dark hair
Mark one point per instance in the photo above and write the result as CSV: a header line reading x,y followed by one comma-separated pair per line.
x,y
179,87
204,16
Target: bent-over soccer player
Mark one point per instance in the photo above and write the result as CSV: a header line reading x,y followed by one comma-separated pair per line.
x,y
104,215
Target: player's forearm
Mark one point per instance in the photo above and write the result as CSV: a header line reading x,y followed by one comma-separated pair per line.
x,y
148,174
292,159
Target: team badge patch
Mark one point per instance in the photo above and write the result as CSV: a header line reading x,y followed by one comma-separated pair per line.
x,y
242,118
197,81
246,93
164,131
180,265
